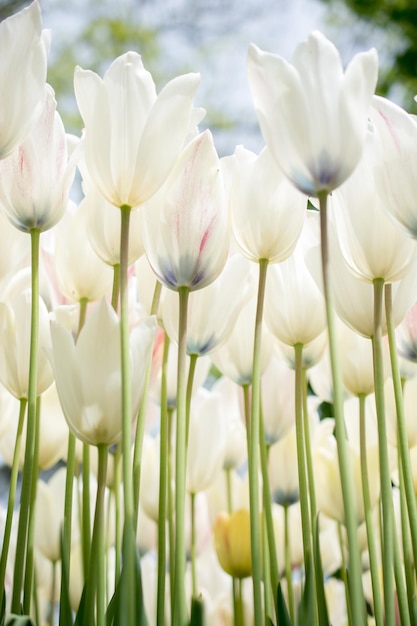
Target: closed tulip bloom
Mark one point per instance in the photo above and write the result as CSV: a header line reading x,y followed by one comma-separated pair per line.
x,y
88,376
35,179
292,294
234,358
232,542
372,245
103,229
267,212
327,479
212,311
23,60
312,114
278,399
185,227
206,441
80,273
15,346
395,169
132,135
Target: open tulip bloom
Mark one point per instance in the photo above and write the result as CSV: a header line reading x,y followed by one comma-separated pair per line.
x,y
203,470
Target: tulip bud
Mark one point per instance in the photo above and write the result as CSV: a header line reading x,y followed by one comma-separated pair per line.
x,y
232,543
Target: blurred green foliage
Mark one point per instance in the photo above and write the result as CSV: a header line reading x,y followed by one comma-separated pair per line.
x,y
397,23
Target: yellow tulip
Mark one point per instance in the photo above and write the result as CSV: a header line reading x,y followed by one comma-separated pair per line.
x,y
232,543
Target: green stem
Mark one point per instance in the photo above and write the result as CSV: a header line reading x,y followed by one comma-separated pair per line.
x,y
406,546
384,467
401,424
170,503
269,522
288,564
11,496
85,516
116,287
400,584
193,548
118,511
30,548
129,546
83,305
69,490
355,578
52,595
373,557
229,490
301,455
343,572
253,456
30,428
240,613
96,587
180,610
190,384
163,477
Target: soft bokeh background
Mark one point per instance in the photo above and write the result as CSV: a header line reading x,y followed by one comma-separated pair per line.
x,y
212,36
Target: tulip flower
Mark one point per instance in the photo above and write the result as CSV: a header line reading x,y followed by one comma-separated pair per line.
x,y
207,441
14,352
88,376
185,227
212,311
234,358
103,229
292,294
80,273
132,136
35,179
312,114
327,479
23,59
267,212
372,245
395,172
232,543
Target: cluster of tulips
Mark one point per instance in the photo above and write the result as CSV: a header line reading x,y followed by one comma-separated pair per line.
x,y
215,356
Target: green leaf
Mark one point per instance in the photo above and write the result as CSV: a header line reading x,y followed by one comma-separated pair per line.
x,y
283,617
306,608
197,612
321,597
3,609
65,612
129,586
19,620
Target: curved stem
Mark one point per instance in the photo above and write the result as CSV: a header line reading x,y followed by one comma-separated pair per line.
x,y
288,565
28,466
116,287
269,522
190,383
373,558
401,426
384,468
11,496
193,548
253,456
355,578
163,482
180,610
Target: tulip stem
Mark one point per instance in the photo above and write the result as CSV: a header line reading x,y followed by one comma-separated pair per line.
x,y
190,384
180,610
269,522
288,564
253,456
12,496
401,427
355,579
163,481
116,287
193,548
129,534
386,488
86,523
28,466
52,596
118,511
171,507
373,558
